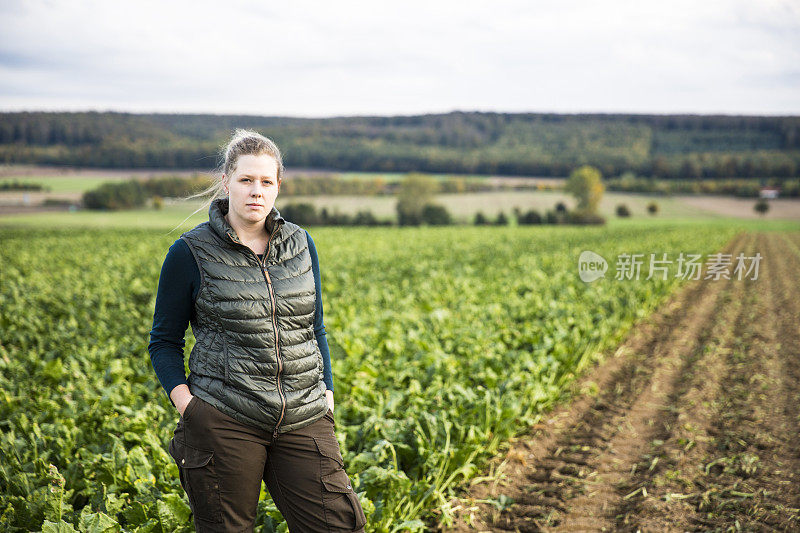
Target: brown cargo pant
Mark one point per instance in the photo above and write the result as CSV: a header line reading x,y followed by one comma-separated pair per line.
x,y
222,463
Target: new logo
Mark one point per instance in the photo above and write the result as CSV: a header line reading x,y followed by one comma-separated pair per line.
x,y
591,266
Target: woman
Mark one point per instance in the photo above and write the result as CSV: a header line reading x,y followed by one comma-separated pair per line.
x,y
258,402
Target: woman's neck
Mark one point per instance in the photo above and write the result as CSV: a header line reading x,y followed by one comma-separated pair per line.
x,y
249,233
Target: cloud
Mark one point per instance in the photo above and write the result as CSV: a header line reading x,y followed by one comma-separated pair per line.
x,y
313,58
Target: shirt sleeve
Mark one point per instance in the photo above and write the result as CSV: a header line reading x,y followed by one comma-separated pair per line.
x,y
178,286
319,326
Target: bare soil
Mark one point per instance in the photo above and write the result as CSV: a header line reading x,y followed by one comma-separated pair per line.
x,y
695,426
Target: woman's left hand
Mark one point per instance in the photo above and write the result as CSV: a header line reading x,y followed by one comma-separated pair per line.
x,y
329,397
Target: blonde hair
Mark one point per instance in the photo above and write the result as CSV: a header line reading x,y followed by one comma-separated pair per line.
x,y
243,142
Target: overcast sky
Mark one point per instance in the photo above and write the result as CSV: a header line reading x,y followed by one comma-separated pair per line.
x,y
327,58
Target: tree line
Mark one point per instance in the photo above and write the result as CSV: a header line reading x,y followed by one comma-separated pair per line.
x,y
538,144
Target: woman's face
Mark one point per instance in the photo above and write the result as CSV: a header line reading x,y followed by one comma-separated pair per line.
x,y
252,188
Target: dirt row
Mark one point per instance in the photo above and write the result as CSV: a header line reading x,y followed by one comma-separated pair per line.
x,y
694,424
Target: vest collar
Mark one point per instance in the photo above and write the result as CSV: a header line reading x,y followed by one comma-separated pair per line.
x,y
216,217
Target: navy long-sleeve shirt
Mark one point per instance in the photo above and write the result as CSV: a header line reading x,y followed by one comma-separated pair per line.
x,y
178,285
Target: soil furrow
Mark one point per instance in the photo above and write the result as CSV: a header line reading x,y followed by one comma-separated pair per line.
x,y
650,416
751,470
670,472
661,475
744,474
569,473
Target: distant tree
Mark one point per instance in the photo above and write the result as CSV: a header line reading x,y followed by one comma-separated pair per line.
x,y
501,220
118,195
553,217
336,219
158,202
652,208
585,183
301,213
623,211
22,186
530,217
342,219
365,218
660,167
480,219
761,207
436,215
561,207
414,192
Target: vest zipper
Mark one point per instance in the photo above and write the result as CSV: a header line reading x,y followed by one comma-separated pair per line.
x,y
277,352
264,271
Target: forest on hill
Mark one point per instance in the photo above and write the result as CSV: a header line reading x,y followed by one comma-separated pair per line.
x,y
529,144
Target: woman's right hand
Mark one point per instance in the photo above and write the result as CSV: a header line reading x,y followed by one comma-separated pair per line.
x,y
182,408
181,397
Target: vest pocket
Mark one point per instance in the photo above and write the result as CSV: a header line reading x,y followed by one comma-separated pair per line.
x,y
226,380
319,360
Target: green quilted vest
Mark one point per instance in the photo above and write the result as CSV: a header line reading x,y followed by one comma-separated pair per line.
x,y
256,358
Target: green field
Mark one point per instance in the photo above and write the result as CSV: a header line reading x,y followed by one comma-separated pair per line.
x,y
445,343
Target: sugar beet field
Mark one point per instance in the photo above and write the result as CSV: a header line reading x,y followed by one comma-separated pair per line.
x,y
480,384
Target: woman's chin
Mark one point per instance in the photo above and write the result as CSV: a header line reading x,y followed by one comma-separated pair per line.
x,y
253,216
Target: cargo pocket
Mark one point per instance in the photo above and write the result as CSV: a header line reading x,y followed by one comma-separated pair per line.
x,y
342,508
199,479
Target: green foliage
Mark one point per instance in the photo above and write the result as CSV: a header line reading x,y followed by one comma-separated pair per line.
x,y
306,214
124,195
134,193
302,213
17,185
364,217
584,218
554,217
623,211
531,216
585,183
501,220
527,144
436,215
745,188
332,185
415,191
438,359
